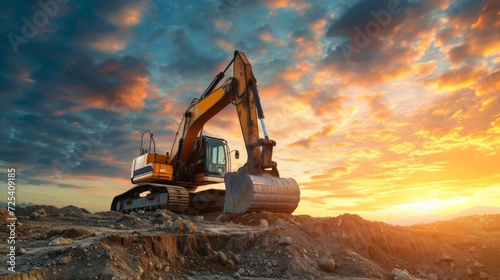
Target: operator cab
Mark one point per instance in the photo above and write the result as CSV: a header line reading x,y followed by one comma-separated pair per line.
x,y
215,161
212,159
208,163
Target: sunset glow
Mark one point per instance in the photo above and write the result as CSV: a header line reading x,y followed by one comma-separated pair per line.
x,y
384,109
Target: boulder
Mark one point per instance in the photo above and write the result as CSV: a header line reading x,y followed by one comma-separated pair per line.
x,y
285,241
223,258
60,241
401,274
327,265
296,268
264,224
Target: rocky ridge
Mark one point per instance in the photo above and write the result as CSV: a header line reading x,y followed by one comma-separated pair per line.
x,y
72,243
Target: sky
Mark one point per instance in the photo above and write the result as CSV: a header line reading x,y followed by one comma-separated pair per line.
x,y
383,109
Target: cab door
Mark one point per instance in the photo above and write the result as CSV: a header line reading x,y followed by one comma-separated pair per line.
x,y
215,161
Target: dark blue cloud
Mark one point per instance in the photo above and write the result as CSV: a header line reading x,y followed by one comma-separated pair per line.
x,y
50,87
465,8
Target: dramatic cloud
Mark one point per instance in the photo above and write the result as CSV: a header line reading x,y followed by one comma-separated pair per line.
x,y
479,39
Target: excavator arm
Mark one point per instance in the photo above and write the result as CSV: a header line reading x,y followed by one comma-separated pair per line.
x,y
247,101
241,91
256,186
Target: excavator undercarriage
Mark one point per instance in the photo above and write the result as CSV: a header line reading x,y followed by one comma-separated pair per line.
x,y
156,196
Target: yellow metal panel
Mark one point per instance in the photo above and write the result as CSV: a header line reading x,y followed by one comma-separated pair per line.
x,y
152,158
210,100
162,171
201,113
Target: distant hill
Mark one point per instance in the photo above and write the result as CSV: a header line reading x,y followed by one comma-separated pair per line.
x,y
5,204
430,218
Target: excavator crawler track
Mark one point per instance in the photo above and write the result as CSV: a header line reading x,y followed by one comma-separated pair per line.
x,y
149,197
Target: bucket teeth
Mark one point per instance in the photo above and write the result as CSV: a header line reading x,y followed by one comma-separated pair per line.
x,y
251,193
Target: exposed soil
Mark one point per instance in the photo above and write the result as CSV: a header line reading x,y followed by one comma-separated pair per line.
x,y
72,243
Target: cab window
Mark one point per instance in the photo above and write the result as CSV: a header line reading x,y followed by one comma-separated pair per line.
x,y
216,158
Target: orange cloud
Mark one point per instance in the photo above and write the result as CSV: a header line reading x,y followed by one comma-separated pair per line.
x,y
495,125
326,131
482,37
224,44
377,106
332,104
445,35
381,133
364,154
318,27
489,84
117,85
126,16
222,25
322,77
307,48
266,35
274,89
333,173
123,17
456,79
403,148
287,4
293,74
108,43
308,45
424,69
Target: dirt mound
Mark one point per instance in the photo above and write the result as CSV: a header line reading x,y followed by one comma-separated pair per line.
x,y
67,233
163,245
109,214
73,210
253,219
4,214
37,211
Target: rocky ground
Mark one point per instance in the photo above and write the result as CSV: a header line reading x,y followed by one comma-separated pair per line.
x,y
72,243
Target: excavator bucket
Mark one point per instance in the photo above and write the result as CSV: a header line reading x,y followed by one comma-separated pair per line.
x,y
252,193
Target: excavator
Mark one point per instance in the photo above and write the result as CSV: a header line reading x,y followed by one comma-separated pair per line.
x,y
196,177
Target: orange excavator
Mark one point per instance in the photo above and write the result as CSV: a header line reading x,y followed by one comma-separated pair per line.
x,y
195,177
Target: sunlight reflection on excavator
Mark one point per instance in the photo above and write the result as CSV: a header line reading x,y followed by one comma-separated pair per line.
x,y
195,177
